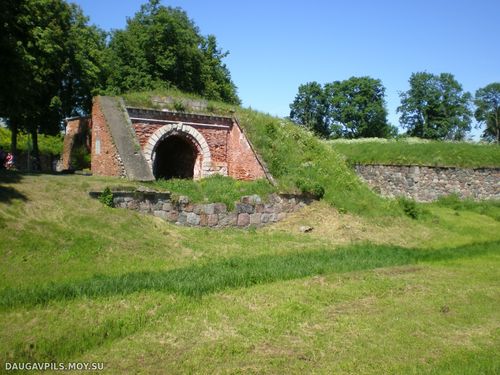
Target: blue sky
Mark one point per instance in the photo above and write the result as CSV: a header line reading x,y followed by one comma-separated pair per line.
x,y
277,45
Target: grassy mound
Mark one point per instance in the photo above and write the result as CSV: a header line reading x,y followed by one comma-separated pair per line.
x,y
418,152
298,160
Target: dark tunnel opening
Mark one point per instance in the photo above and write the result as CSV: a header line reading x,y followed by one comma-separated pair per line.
x,y
175,158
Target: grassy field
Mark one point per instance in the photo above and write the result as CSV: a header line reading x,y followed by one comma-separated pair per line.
x,y
418,152
360,294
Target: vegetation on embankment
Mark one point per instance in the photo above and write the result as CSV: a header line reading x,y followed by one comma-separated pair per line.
x,y
215,189
83,282
414,151
298,160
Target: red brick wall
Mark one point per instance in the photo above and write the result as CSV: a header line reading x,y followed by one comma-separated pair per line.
x,y
217,142
229,149
242,161
144,131
107,162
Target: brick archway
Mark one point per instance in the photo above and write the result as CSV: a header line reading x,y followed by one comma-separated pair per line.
x,y
204,161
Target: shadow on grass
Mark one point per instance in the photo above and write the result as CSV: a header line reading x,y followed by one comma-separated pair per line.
x,y
8,193
199,280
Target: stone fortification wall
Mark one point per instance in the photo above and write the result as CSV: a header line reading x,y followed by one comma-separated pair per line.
x,y
425,184
249,211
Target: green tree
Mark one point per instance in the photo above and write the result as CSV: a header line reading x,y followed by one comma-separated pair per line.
x,y
310,109
162,47
487,101
435,107
357,108
48,71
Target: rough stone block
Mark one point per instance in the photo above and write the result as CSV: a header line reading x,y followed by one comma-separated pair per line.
x,y
209,209
203,220
167,206
213,220
265,218
243,219
182,218
255,219
188,208
192,218
172,216
244,208
220,208
227,219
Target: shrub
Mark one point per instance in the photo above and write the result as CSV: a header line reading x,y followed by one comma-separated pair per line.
x,y
106,197
410,207
309,187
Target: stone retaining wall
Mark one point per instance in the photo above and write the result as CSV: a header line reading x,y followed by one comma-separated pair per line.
x,y
249,211
425,184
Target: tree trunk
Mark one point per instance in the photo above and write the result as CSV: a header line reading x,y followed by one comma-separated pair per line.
x,y
35,151
13,138
497,126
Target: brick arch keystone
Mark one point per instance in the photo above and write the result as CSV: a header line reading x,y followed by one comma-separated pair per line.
x,y
180,129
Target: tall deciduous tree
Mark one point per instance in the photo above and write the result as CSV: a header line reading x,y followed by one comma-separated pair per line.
x,y
435,107
487,101
49,70
161,46
352,108
310,109
357,108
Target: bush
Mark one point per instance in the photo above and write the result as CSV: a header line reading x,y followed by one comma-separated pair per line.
x,y
308,187
106,197
410,207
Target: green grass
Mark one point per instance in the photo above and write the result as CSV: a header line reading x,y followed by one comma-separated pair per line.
x,y
418,152
237,272
296,159
490,208
83,282
216,189
47,144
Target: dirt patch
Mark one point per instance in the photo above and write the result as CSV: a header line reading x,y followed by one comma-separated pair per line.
x,y
340,229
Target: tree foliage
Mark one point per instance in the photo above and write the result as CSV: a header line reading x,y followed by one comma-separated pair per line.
x,y
487,101
357,108
310,109
50,64
160,47
352,108
435,107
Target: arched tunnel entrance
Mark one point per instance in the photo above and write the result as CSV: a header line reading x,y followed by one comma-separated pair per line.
x,y
175,157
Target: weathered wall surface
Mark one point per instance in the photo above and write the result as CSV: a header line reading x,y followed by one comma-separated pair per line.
x,y
250,211
242,160
105,159
77,131
425,184
231,152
